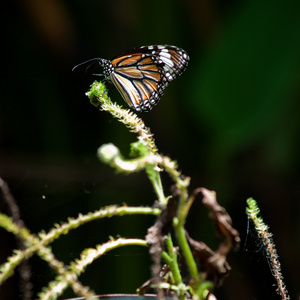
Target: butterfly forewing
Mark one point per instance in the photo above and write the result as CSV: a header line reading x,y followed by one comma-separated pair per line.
x,y
142,74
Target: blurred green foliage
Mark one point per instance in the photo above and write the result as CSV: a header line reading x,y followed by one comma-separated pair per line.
x,y
246,81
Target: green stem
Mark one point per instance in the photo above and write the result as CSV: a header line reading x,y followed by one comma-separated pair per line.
x,y
204,289
269,246
186,251
157,185
171,260
180,233
173,263
154,177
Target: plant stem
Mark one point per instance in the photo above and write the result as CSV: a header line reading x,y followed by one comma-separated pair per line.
x,y
157,185
186,251
269,246
173,263
180,233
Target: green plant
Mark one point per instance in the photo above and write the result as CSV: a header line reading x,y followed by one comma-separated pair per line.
x,y
265,237
207,268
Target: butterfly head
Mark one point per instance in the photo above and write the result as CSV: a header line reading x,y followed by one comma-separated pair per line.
x,y
107,68
94,63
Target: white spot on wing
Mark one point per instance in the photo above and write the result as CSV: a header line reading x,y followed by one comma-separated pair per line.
x,y
167,61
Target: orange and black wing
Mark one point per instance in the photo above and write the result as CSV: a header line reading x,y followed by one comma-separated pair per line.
x,y
142,74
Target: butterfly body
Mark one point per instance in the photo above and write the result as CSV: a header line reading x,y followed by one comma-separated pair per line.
x,y
141,75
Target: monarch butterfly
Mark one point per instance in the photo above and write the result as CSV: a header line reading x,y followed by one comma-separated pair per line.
x,y
141,75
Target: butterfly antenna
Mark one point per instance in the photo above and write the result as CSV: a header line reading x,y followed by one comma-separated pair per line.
x,y
85,62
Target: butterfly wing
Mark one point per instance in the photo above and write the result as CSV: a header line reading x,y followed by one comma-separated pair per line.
x,y
142,74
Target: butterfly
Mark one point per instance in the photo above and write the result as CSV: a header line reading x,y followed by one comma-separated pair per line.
x,y
142,74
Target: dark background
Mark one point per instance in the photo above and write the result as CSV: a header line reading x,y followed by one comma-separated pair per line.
x,y
231,121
